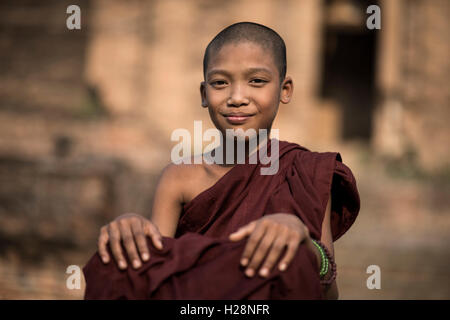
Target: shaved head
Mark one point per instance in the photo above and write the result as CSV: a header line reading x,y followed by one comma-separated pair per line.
x,y
256,33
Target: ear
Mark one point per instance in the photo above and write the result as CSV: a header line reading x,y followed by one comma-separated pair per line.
x,y
287,89
203,94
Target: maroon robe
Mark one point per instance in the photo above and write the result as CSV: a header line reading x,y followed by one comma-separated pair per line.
x,y
201,263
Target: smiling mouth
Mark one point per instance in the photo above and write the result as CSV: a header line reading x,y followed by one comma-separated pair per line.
x,y
237,118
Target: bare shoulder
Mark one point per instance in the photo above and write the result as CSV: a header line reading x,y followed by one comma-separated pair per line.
x,y
174,185
183,180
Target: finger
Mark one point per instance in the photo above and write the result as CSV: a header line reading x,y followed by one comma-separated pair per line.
x,y
275,252
154,234
243,232
261,250
114,242
128,242
139,237
290,253
251,245
102,241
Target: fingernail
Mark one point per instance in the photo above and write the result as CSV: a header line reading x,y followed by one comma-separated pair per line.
x,y
264,272
145,256
283,266
122,264
136,263
104,259
244,261
249,272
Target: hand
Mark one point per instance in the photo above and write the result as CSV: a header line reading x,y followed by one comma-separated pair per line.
x,y
131,229
268,237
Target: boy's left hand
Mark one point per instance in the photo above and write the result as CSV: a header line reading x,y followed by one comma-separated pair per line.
x,y
268,237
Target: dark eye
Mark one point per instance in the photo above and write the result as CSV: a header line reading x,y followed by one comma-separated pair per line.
x,y
218,83
258,81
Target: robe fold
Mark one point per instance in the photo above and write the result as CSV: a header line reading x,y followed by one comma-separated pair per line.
x,y
201,263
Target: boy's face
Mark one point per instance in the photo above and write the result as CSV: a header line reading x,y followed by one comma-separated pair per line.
x,y
242,87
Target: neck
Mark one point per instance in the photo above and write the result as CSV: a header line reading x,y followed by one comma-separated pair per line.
x,y
232,149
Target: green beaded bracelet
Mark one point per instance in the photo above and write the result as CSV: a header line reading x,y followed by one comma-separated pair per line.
x,y
324,260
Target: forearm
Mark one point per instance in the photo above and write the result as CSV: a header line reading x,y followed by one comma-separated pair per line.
x,y
310,245
330,291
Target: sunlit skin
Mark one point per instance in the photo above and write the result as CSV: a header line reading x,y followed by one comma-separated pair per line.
x,y
242,89
242,79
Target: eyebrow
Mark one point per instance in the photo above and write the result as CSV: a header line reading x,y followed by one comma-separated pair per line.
x,y
247,72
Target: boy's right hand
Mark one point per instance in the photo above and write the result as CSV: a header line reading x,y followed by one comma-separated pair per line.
x,y
132,229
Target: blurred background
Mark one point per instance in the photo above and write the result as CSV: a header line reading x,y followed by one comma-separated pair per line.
x,y
86,118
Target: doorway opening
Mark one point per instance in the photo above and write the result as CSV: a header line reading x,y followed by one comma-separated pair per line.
x,y
348,66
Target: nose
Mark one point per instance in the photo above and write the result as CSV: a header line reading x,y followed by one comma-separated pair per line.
x,y
237,97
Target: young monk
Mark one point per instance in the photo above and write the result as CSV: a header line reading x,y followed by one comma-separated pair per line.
x,y
221,231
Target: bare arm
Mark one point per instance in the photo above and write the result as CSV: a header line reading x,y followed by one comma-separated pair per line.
x,y
167,201
331,291
271,233
132,229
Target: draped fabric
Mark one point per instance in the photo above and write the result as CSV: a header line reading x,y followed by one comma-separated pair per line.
x,y
201,263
